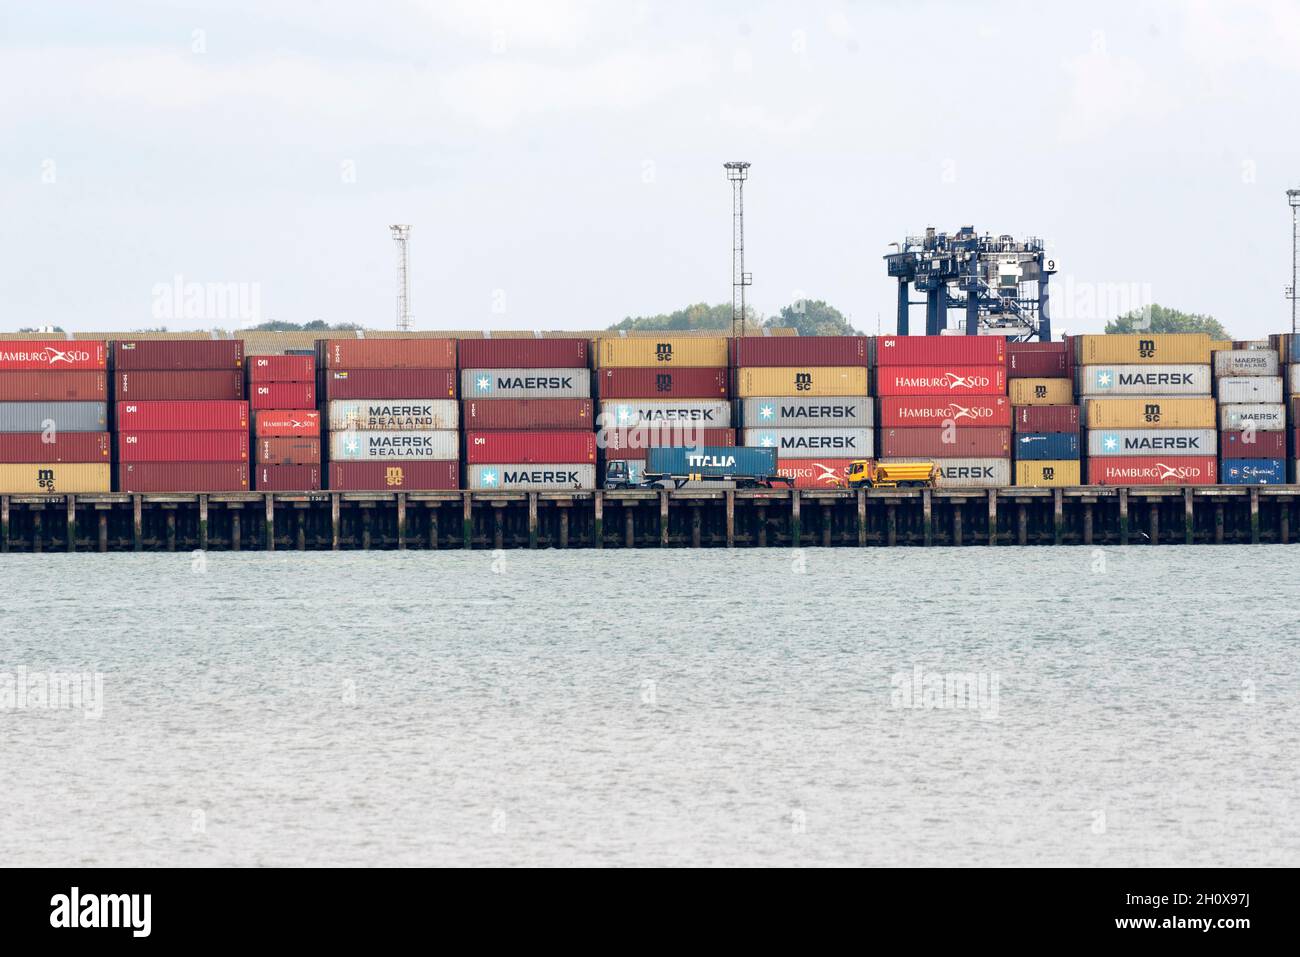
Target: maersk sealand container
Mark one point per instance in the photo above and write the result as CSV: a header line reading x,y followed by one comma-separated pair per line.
x,y
711,461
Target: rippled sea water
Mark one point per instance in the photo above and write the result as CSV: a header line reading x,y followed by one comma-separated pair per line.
x,y
657,708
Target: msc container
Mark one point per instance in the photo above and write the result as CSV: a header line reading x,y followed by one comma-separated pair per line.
x,y
941,380
167,386
52,354
801,381
389,383
815,473
63,447
813,443
1037,365
386,354
794,412
686,383
394,476
281,369
1255,444
633,443
534,477
715,463
525,383
57,416
287,450
182,446
1046,447
1040,391
525,353
977,473
393,415
1242,390
1153,470
1048,473
1116,442
528,447
182,416
182,477
1150,412
709,413
958,442
799,351
358,446
528,414
55,478
1143,349
1265,418
53,386
1047,418
1253,472
941,351
659,352
287,478
922,410
178,354
282,395
1143,380
274,423
1235,362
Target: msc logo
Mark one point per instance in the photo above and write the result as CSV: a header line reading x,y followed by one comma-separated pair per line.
x,y
1049,473
802,381
664,382
1146,348
45,479
1152,412
664,351
1040,392
393,476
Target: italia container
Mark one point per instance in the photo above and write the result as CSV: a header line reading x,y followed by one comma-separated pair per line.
x,y
525,353
801,381
815,473
799,351
970,473
1048,473
53,386
528,414
1153,470
1150,412
813,443
389,383
59,416
287,478
1046,447
182,446
182,477
1254,444
1253,472
1047,418
394,476
386,354
524,476
932,442
1129,442
707,352
633,443
153,386
356,446
276,423
686,383
937,380
55,478
906,411
1143,380
1037,365
1026,391
1248,390
287,450
182,416
1238,362
36,355
525,383
482,448
281,369
63,447
708,413
715,463
178,354
1143,349
793,412
941,351
282,395
393,415
1265,418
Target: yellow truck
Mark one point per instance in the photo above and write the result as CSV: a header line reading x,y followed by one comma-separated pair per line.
x,y
868,473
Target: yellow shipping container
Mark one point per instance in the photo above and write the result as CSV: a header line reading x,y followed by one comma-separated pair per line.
x,y
1170,348
799,381
1048,473
55,479
1150,412
663,351
1041,391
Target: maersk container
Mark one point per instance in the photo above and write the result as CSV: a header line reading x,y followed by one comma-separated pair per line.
x,y
1153,470
55,478
287,450
530,477
525,383
1047,418
815,473
941,351
282,395
389,383
1046,446
1252,444
486,448
1143,380
1253,472
970,473
178,354
393,415
52,354
633,443
936,380
389,354
182,446
659,352
181,416
1037,365
525,353
281,369
1246,390
800,412
191,385
287,478
58,386
1048,473
939,441
708,413
913,410
182,477
801,381
276,423
813,443
1143,349
686,383
59,416
1235,362
528,414
715,463
423,476
1039,391
799,351
1149,412
1129,442
1264,417
358,446
62,447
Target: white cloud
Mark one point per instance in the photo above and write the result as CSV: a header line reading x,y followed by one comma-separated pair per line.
x,y
508,24
1105,91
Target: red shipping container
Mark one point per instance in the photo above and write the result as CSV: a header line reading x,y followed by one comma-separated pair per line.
x,y
282,395
274,423
281,368
287,450
815,473
287,478
527,414
525,353
527,448
386,354
1153,470
686,383
632,443
53,386
182,477
1037,365
155,386
941,380
1023,347
177,354
390,384
967,443
1264,445
941,351
799,351
1047,418
182,446
67,447
909,411
393,477
181,416
52,354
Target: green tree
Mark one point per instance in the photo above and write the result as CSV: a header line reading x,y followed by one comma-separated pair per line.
x,y
813,317
315,325
41,331
699,316
1163,319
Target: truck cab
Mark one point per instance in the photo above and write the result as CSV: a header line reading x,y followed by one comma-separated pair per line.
x,y
868,473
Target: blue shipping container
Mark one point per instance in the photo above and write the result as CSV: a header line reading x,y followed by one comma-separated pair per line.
x,y
1042,446
1253,472
712,461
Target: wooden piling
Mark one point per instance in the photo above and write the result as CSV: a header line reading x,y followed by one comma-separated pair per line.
x,y
72,522
203,522
1153,509
532,519
334,521
137,522
731,518
236,536
927,517
796,534
401,521
629,525
1123,516
467,520
993,516
663,518
1022,524
1254,515
1058,517
862,517
270,522
598,519
1189,518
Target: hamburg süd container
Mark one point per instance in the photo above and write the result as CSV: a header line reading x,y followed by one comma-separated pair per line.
x,y
393,415
287,478
970,473
389,383
178,354
35,355
59,416
941,351
1263,417
712,463
57,386
496,447
907,411
182,477
1253,472
55,478
633,443
1116,442
424,476
531,477
813,443
151,386
1246,390
1143,380
278,423
1150,412
525,383
815,473
1238,362
684,383
662,351
748,351
1047,472
525,353
1153,470
182,446
1143,349
357,446
939,441
801,381
797,412
1046,447
282,395
287,450
528,414
62,447
281,368
1047,418
1037,365
1254,444
956,381
1036,391
709,413
387,354
182,416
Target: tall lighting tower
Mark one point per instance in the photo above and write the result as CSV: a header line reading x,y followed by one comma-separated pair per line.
x,y
737,173
1293,198
400,236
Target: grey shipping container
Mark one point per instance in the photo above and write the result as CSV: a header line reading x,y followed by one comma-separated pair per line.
x,y
814,443
1153,442
61,416
358,446
1245,362
980,473
706,413
1241,390
532,477
801,412
525,384
393,415
1264,417
1142,380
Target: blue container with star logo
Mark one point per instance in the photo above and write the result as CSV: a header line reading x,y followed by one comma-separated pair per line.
x,y
1044,446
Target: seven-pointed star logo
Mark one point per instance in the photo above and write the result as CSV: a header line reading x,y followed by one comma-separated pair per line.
x,y
623,413
1103,379
489,478
1110,442
353,446
767,440
766,411
484,383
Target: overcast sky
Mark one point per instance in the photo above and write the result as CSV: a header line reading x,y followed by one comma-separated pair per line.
x,y
561,162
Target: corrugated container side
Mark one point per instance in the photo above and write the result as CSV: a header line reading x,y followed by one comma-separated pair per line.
x,y
1245,362
941,351
906,411
525,383
393,415
685,383
287,478
52,354
278,423
1047,418
1246,390
182,477
1143,380
1153,470
389,383
182,446
288,451
53,386
661,352
970,473
712,462
709,413
800,412
801,381
182,416
282,395
799,351
813,443
1046,447
525,353
1264,417
496,447
1143,349
1150,412
1292,379
633,443
1038,391
194,385
528,414
1057,347
1048,473
815,473
1166,442
1037,365
64,447
531,477
394,476
1253,472
178,354
958,442
65,416
1255,444
357,446
282,369
55,478
388,354
941,380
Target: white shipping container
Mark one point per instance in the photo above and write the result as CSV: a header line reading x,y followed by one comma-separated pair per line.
x,y
1245,362
525,384
393,415
813,443
802,412
429,444
958,473
1265,418
534,478
1153,442
705,413
1248,389
1293,379
1142,380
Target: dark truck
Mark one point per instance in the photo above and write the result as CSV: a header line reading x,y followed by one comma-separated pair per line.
x,y
675,468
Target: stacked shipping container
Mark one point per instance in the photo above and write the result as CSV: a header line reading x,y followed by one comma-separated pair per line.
x,y
1252,417
286,425
1046,438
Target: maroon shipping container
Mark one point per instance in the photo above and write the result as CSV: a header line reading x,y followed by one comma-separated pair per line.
x,y
182,477
919,410
1047,418
633,443
967,443
799,351
181,416
1263,445
938,380
1023,347
386,354
287,450
393,477
154,386
282,395
525,353
274,423
52,354
53,386
685,383
483,414
527,448
287,478
176,354
182,446
281,368
941,351
390,384
1037,365
67,447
